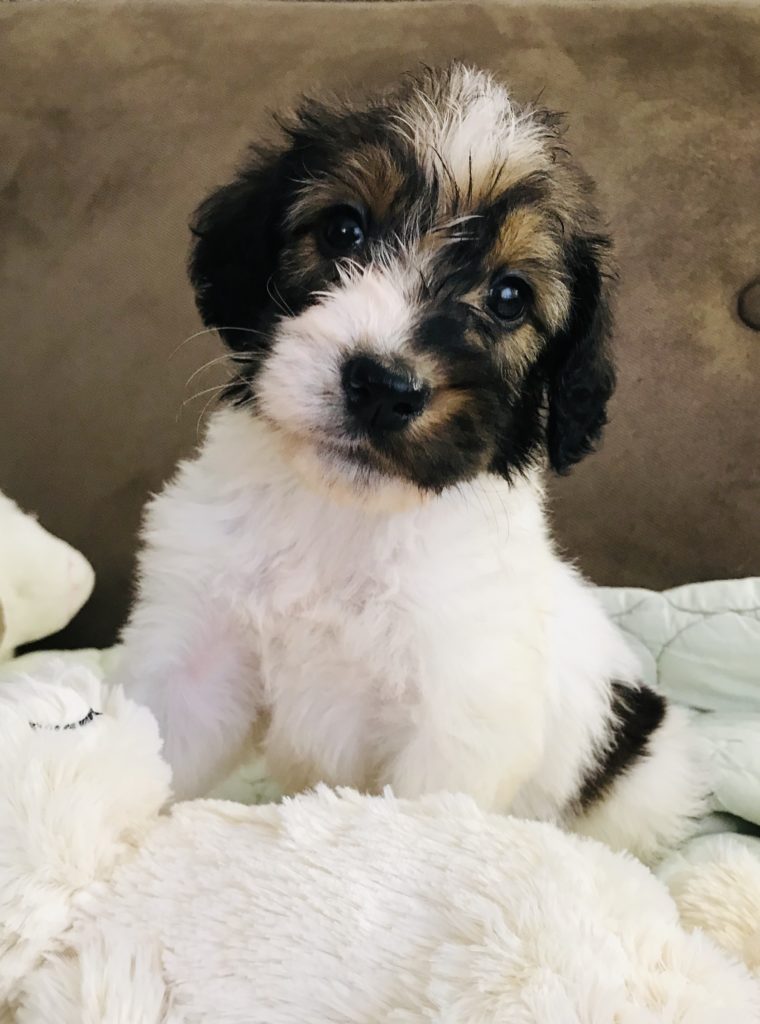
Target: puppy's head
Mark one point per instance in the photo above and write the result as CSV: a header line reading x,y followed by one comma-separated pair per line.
x,y
415,289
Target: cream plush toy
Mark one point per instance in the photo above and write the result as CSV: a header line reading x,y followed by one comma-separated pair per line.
x,y
43,580
327,909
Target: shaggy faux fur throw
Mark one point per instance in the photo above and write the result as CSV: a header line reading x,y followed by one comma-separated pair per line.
x,y
332,907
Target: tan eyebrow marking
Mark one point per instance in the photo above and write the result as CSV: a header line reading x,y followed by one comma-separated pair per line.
x,y
369,175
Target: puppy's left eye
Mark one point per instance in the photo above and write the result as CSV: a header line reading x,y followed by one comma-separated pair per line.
x,y
342,231
509,297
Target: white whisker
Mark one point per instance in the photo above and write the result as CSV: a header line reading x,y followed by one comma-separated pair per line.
x,y
203,412
213,330
276,296
208,391
224,358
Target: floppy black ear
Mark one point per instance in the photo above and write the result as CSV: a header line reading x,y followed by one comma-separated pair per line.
x,y
581,375
235,251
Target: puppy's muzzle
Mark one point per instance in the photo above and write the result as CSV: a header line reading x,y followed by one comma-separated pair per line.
x,y
380,400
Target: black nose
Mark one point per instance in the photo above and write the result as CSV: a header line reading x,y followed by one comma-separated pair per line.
x,y
378,398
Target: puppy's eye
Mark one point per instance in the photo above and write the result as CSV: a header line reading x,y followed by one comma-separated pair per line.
x,y
342,231
509,298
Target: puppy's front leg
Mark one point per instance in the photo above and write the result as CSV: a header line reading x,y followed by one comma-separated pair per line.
x,y
193,667
478,740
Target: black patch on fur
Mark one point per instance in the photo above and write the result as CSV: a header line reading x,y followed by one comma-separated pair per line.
x,y
521,432
580,371
236,242
636,715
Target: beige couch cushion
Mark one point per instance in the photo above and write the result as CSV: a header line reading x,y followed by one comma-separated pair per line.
x,y
115,120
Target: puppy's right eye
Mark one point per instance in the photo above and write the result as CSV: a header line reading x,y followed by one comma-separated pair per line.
x,y
342,231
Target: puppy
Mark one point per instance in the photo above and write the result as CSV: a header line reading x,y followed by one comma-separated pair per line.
x,y
356,568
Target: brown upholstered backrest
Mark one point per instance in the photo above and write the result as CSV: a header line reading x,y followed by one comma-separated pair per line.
x,y
115,120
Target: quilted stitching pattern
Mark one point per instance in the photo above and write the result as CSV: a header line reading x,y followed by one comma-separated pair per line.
x,y
701,645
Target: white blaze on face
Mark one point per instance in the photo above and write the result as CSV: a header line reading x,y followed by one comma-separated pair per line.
x,y
478,134
370,312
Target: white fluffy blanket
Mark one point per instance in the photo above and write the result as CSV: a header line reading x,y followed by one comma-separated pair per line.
x,y
328,908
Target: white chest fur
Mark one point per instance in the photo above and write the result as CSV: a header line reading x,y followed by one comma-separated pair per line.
x,y
413,647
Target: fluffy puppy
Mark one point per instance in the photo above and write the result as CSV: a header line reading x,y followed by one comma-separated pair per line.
x,y
355,569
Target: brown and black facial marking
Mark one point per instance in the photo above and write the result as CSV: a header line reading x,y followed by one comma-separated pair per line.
x,y
254,251
501,385
454,439
373,176
503,398
371,179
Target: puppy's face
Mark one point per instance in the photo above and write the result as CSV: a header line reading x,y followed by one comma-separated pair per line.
x,y
414,289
